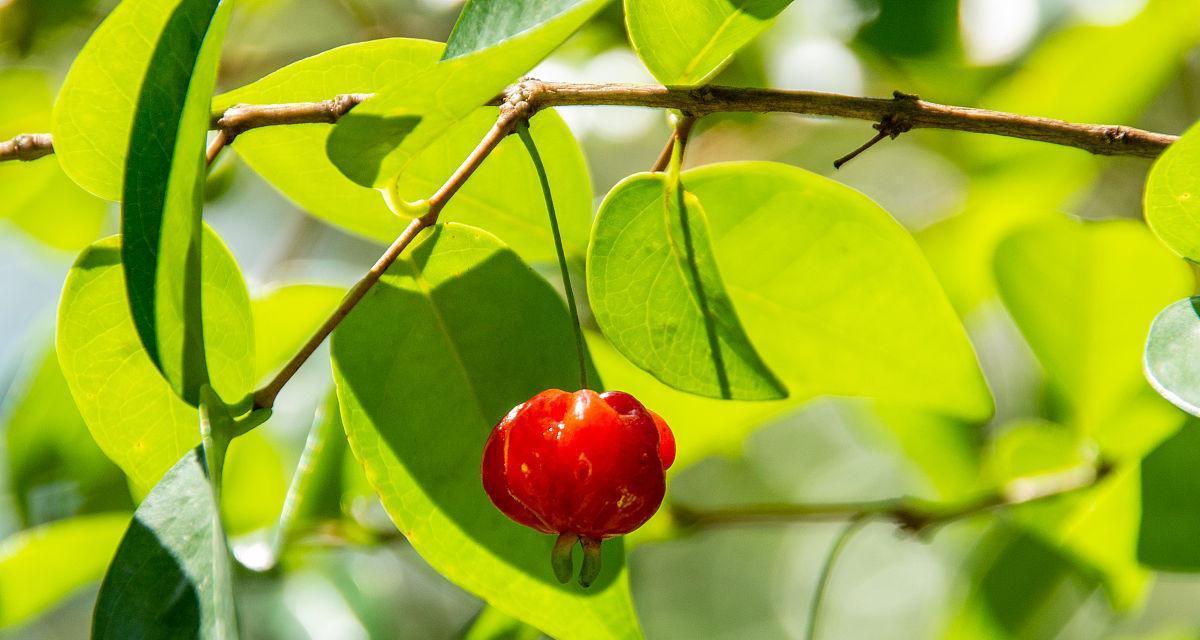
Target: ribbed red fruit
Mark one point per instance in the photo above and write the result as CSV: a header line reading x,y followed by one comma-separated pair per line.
x,y
583,465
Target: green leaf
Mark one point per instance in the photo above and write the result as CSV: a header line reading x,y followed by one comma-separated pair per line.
x,y
1173,196
493,624
163,193
293,158
38,197
1017,587
1066,77
453,337
833,292
1083,295
285,318
103,91
487,23
1171,349
657,294
1098,530
906,29
55,469
1028,449
1170,523
687,43
255,484
132,412
35,26
171,576
315,494
41,567
379,139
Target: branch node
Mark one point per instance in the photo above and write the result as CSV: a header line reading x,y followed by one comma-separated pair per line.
x,y
520,101
891,126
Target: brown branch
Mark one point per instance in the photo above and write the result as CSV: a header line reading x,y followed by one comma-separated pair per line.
x,y
913,515
243,117
26,147
510,112
700,101
919,114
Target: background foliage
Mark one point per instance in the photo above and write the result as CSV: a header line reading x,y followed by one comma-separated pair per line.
x,y
992,330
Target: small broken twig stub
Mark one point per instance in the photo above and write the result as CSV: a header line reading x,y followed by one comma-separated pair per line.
x,y
890,126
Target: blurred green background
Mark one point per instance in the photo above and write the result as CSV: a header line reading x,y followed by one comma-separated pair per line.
x,y
1134,62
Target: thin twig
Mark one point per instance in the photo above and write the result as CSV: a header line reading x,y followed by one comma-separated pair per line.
x,y
913,515
509,115
214,147
831,558
265,397
891,126
682,132
1096,138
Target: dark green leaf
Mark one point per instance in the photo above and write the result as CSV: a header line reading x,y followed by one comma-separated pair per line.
x,y
171,576
487,23
131,410
163,192
1169,536
1018,588
905,28
99,100
422,379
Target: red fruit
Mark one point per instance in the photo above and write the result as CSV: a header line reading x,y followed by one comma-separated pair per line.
x,y
582,465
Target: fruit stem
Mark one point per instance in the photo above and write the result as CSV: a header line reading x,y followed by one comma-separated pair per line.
x,y
831,558
560,557
591,562
580,348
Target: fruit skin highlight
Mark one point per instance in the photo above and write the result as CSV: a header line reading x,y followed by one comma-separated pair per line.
x,y
583,465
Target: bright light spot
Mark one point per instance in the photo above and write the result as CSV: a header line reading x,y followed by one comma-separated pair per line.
x,y
996,31
441,5
255,552
618,124
839,19
1108,12
816,64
